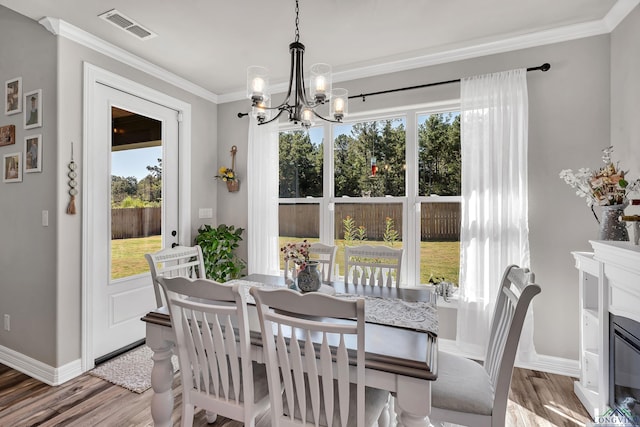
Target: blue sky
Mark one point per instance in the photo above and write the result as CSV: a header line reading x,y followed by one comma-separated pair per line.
x,y
134,162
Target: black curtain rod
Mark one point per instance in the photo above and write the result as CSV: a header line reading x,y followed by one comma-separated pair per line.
x,y
544,67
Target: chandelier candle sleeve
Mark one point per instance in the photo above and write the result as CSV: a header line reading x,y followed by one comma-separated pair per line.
x,y
257,83
339,103
320,82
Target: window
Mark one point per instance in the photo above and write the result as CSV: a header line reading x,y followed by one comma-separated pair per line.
x,y
439,169
376,169
301,170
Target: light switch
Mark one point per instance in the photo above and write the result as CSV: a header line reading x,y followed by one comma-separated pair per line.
x,y
205,213
45,218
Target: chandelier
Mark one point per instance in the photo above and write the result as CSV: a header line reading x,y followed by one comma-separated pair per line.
x,y
300,107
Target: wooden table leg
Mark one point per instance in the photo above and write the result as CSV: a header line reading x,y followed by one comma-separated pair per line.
x,y
161,375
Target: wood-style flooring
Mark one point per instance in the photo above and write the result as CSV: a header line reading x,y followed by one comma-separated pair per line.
x,y
536,399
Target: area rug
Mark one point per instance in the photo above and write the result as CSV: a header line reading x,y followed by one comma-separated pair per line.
x,y
132,370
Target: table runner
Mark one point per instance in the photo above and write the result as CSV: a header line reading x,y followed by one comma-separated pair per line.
x,y
418,315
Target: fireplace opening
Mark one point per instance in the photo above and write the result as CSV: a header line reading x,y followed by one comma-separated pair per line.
x,y
624,365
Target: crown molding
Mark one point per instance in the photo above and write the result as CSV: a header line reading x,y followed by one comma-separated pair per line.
x,y
618,12
63,29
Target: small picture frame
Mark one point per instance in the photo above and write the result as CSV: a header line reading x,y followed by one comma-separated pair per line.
x,y
33,154
12,167
33,109
13,96
7,135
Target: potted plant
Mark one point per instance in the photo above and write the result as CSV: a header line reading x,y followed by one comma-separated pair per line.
x,y
218,249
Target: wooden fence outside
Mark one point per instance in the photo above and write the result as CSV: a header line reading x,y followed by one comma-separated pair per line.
x,y
439,221
128,223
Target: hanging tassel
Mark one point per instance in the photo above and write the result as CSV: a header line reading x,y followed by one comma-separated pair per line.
x,y
71,209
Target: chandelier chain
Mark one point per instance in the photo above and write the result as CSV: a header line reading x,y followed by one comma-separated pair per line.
x,y
297,22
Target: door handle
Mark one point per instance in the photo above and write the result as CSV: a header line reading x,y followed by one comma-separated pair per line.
x,y
173,245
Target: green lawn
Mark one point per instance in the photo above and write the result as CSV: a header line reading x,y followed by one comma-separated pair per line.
x,y
442,259
127,255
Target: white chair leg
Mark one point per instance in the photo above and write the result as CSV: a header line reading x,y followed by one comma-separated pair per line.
x,y
187,414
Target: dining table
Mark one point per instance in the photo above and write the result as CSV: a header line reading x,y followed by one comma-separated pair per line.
x,y
400,345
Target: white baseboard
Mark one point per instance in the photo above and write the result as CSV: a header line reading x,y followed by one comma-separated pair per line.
x,y
541,362
38,370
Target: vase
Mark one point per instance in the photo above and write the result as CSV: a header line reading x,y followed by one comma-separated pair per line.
x,y
233,186
611,228
309,277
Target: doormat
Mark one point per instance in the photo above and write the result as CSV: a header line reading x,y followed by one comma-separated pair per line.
x,y
132,370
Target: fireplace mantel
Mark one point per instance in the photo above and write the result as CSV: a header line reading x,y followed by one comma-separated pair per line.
x,y
609,282
621,263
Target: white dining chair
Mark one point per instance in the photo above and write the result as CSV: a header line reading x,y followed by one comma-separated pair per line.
x,y
325,255
372,265
185,261
212,339
473,394
305,339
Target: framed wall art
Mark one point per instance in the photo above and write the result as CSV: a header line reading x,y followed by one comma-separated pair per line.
x,y
12,167
7,135
13,96
33,109
33,153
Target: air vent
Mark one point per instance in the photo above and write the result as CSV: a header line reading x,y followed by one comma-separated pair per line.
x,y
127,24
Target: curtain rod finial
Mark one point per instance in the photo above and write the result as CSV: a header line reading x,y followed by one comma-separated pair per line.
x,y
545,67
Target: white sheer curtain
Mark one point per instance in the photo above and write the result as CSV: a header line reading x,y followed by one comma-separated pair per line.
x,y
262,185
494,233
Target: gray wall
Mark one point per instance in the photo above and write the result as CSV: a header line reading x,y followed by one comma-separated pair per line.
x,y
40,276
625,96
28,250
568,126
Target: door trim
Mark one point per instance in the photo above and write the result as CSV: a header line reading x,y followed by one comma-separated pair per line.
x,y
93,76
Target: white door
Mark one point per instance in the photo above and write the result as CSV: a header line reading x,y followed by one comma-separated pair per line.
x,y
132,210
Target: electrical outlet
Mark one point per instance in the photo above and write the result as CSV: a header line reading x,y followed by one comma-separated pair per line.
x,y
7,322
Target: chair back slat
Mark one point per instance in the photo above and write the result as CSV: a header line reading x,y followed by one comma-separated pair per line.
x,y
179,261
287,319
312,376
373,265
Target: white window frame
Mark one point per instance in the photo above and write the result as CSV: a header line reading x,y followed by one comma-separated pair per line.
x,y
410,217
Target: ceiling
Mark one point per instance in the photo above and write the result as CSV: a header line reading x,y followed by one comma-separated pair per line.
x,y
210,43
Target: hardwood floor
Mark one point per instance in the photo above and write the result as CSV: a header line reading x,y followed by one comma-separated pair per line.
x,y
536,399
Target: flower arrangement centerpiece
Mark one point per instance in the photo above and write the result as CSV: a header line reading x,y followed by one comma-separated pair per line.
x,y
308,279
606,187
297,252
